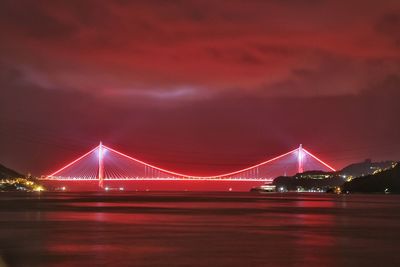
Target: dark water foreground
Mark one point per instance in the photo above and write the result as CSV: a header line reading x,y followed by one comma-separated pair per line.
x,y
199,229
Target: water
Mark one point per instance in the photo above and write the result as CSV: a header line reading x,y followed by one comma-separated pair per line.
x,y
198,229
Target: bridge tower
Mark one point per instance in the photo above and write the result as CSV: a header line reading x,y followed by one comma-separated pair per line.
x,y
300,159
101,166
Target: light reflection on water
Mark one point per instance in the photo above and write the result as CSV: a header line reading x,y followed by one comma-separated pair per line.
x,y
199,229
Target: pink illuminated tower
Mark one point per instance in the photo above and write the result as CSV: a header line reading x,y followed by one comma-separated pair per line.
x,y
101,165
300,159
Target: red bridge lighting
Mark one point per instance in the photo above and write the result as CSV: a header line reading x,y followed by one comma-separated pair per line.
x,y
104,163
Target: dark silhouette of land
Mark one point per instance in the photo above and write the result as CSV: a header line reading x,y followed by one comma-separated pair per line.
x,y
11,180
387,181
8,173
365,176
365,168
308,181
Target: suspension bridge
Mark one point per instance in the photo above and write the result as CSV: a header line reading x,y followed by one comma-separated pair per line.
x,y
103,163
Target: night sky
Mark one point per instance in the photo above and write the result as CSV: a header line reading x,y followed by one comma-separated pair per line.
x,y
200,87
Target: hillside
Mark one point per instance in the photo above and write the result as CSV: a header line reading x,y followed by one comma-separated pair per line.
x,y
8,173
387,181
365,168
325,180
309,180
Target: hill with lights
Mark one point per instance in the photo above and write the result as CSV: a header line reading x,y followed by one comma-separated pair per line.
x,y
324,180
386,181
365,168
11,180
6,173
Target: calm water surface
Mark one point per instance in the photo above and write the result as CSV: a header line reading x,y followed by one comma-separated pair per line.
x,y
199,229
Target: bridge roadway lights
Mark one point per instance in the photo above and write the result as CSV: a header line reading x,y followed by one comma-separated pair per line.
x,y
98,171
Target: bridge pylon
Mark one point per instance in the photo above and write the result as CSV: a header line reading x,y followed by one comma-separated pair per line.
x,y
101,165
300,155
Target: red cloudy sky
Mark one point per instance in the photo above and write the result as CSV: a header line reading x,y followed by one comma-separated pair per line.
x,y
199,86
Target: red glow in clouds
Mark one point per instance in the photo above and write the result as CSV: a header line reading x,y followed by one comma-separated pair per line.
x,y
199,87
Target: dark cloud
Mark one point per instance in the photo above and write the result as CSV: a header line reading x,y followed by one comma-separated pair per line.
x,y
218,83
389,26
204,135
235,56
130,46
28,18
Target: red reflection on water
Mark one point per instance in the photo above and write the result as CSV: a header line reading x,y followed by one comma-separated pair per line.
x,y
198,229
314,241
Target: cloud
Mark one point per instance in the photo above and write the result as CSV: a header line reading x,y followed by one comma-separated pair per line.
x,y
388,25
274,46
210,135
33,20
218,79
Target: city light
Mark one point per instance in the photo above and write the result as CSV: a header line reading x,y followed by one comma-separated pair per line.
x,y
38,188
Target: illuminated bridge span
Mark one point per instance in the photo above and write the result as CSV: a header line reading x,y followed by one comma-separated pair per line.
x,y
103,163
